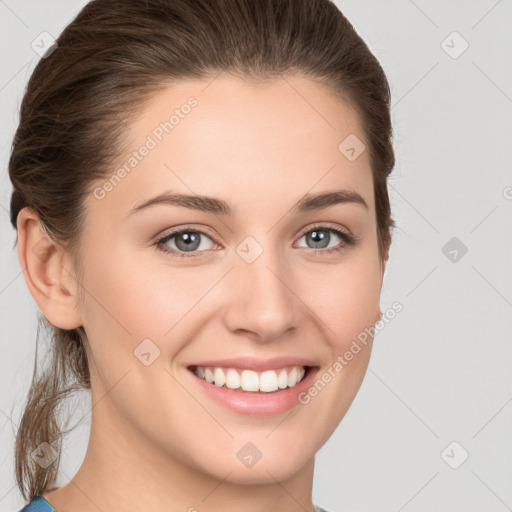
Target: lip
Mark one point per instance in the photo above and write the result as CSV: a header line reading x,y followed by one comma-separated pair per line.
x,y
258,365
256,404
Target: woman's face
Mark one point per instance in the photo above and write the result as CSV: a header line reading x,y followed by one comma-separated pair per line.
x,y
264,280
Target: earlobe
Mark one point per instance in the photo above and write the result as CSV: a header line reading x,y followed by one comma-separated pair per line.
x,y
46,272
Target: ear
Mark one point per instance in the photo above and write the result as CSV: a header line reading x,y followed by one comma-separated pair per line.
x,y
48,272
383,264
385,258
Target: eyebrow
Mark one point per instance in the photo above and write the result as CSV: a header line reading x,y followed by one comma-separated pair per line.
x,y
307,203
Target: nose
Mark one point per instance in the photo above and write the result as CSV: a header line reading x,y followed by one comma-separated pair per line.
x,y
261,299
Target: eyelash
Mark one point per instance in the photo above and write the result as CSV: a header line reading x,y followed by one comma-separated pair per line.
x,y
348,240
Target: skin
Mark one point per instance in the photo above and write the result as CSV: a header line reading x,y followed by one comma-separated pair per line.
x,y
157,442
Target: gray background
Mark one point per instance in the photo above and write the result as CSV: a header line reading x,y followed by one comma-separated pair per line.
x,y
440,371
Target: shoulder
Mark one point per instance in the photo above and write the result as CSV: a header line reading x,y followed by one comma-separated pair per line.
x,y
39,504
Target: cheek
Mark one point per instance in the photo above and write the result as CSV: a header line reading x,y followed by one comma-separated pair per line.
x,y
345,297
346,303
132,295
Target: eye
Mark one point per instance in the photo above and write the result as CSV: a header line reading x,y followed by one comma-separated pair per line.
x,y
188,242
320,236
185,241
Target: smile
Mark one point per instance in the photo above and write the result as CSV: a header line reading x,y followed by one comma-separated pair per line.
x,y
213,382
245,380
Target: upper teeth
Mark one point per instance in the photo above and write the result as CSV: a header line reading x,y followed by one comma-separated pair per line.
x,y
250,380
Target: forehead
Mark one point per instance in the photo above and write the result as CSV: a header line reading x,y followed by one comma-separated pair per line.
x,y
239,140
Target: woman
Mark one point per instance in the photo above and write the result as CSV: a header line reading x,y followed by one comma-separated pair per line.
x,y
200,198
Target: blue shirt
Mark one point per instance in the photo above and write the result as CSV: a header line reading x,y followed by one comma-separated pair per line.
x,y
39,504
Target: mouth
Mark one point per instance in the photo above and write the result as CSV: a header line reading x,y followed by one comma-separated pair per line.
x,y
253,401
252,382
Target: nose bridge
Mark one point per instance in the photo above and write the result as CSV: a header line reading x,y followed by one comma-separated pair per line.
x,y
263,302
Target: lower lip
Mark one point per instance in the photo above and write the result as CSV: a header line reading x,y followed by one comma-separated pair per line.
x,y
257,404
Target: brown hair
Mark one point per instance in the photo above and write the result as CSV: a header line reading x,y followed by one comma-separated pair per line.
x,y
108,61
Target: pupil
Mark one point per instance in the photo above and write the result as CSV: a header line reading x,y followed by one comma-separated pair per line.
x,y
189,239
318,238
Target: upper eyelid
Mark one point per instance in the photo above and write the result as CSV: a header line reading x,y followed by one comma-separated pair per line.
x,y
317,225
324,225
177,231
